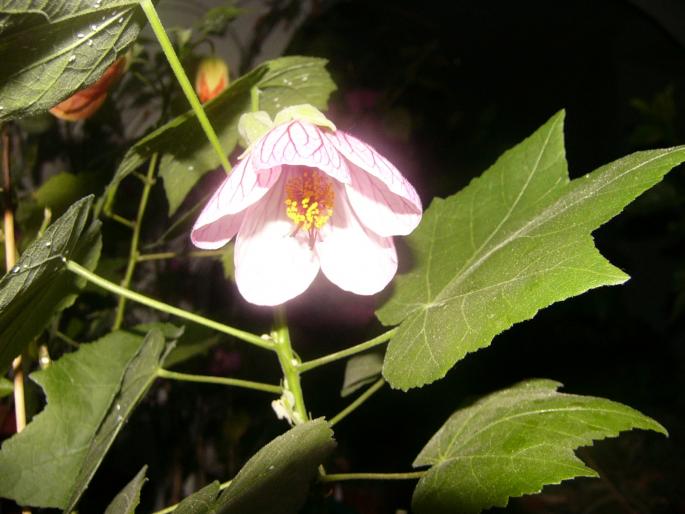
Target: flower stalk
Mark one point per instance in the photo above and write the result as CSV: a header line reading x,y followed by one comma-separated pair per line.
x,y
291,404
176,66
135,238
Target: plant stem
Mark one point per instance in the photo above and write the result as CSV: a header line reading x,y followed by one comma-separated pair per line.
x,y
247,384
181,77
339,477
133,254
254,98
359,401
10,261
315,363
289,366
163,307
170,255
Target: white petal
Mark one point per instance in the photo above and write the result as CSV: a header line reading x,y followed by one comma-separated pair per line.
x,y
220,219
352,257
379,209
271,265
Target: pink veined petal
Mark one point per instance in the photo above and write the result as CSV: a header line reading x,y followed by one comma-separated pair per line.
x,y
379,210
370,161
352,257
271,265
219,220
218,233
299,143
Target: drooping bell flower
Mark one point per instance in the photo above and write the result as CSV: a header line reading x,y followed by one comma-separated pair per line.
x,y
305,197
211,78
84,103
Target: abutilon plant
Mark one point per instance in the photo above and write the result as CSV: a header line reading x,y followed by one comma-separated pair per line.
x,y
306,196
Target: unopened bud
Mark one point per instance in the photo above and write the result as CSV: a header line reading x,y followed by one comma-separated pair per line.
x,y
84,103
211,78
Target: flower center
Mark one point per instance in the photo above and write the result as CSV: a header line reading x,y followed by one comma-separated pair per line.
x,y
309,201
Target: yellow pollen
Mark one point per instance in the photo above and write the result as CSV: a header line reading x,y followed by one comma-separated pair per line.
x,y
309,200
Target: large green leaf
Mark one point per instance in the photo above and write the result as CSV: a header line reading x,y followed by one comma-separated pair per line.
x,y
186,153
56,48
514,241
128,499
276,480
513,442
201,502
39,465
39,285
138,377
6,387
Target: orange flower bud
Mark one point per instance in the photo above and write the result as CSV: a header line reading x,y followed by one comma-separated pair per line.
x,y
84,103
211,78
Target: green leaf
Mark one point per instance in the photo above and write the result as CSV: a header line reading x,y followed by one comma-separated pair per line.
x,y
514,241
513,442
139,376
277,479
39,285
40,464
201,502
63,189
128,499
57,48
6,387
186,153
196,340
361,370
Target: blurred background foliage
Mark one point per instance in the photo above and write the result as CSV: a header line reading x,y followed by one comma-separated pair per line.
x,y
442,89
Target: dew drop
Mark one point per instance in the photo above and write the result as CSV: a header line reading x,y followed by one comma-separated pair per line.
x,y
48,244
121,19
305,78
271,467
119,419
80,35
1,107
191,168
94,27
15,269
118,406
72,58
90,42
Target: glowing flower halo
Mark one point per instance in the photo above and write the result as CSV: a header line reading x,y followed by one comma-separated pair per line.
x,y
305,197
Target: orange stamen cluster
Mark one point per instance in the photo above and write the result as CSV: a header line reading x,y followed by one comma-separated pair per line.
x,y
309,200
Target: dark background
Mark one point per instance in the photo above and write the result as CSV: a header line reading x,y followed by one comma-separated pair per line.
x,y
442,89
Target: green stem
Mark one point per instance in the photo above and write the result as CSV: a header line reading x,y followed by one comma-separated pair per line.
x,y
121,219
359,401
170,255
289,366
326,359
163,307
135,238
181,77
247,384
254,98
339,477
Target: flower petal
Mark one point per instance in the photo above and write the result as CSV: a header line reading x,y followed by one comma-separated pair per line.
x,y
299,143
216,234
368,160
386,213
271,265
218,222
352,257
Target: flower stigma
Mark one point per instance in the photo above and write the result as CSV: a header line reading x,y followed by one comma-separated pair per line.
x,y
309,201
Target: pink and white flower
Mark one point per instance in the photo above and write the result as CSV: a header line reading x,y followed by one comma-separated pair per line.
x,y
306,198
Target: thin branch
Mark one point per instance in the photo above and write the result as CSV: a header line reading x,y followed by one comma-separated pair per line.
x,y
358,402
91,277
378,340
247,384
